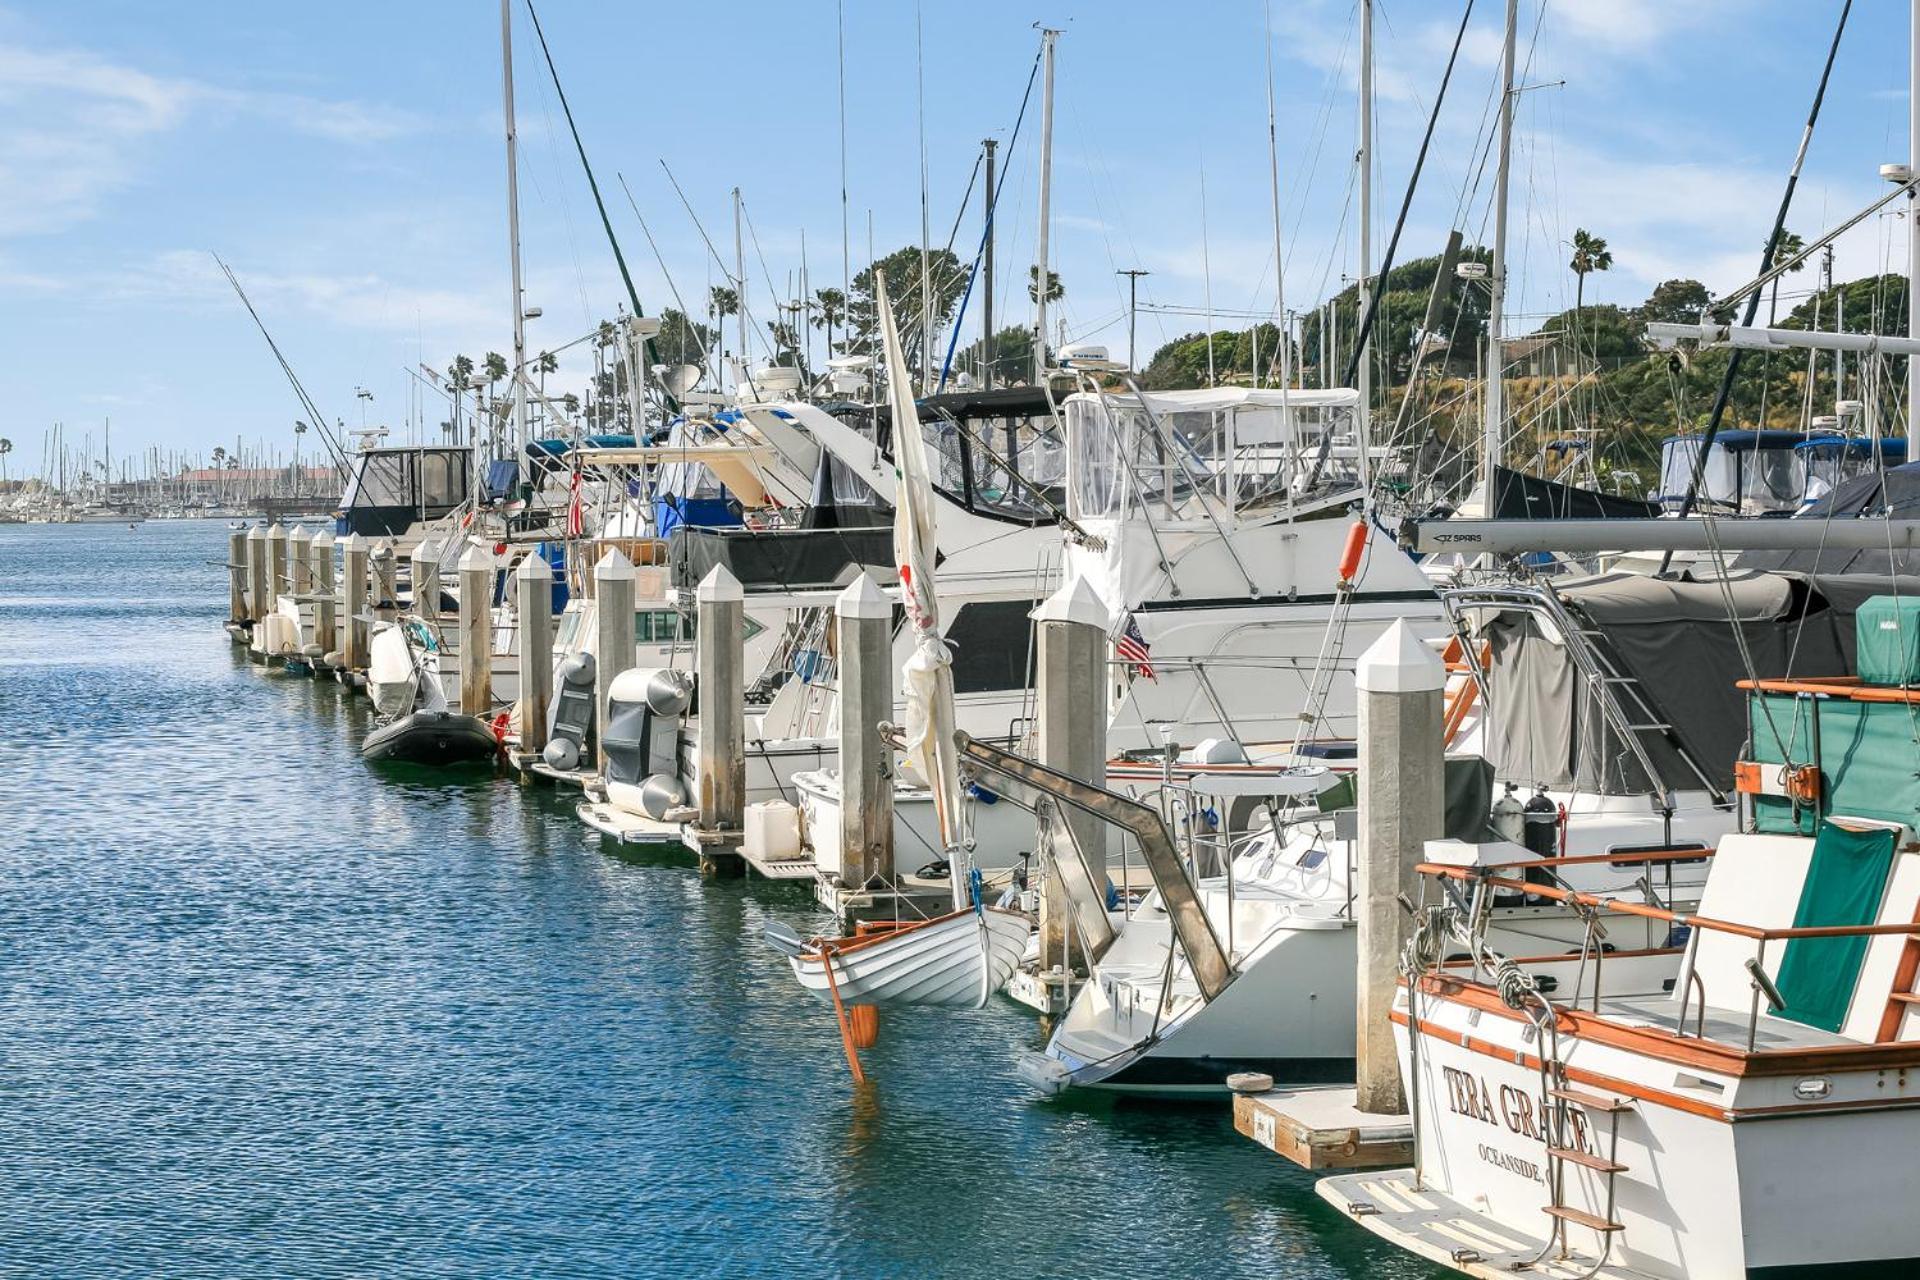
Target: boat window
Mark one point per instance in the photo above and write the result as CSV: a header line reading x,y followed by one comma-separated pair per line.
x,y
442,479
990,641
670,626
564,638
379,480
1772,481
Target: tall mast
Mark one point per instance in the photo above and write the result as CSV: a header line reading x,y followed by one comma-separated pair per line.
x,y
740,283
513,229
1273,182
986,276
1913,212
1362,420
1495,444
926,233
1047,37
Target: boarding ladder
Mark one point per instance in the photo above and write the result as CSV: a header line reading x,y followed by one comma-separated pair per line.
x,y
1623,701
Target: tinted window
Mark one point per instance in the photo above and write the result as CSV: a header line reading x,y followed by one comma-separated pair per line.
x,y
990,642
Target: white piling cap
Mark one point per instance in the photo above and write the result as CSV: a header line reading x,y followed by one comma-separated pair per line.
x,y
534,568
428,549
1399,662
297,534
476,559
719,587
257,533
862,599
323,539
613,567
276,530
1075,601
353,542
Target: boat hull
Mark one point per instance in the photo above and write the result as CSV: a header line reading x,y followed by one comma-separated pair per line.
x,y
432,737
952,961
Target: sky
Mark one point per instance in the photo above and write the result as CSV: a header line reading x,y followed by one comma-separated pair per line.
x,y
347,161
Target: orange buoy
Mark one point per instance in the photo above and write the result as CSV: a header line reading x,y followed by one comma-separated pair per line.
x,y
864,1020
1350,557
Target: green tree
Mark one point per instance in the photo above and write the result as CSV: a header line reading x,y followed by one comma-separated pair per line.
x,y
1008,355
1590,254
902,268
684,340
1676,302
829,311
1054,289
1785,247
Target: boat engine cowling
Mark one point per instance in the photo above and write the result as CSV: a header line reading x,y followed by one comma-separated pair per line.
x,y
640,746
571,713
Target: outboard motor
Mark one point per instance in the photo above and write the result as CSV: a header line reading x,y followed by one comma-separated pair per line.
x,y
639,746
571,714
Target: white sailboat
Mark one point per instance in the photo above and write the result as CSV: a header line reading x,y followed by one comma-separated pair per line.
x,y
963,957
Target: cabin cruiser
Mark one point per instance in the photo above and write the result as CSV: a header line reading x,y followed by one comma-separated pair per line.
x,y
1735,1102
397,492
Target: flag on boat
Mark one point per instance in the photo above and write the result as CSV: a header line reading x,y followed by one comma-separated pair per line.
x,y
1134,650
576,514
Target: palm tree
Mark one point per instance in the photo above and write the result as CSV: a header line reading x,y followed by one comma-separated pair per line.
x,y
721,303
1787,246
1055,291
1590,253
6,447
543,364
831,308
459,377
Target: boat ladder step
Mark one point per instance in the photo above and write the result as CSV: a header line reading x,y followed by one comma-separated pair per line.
x,y
1591,1101
1573,1155
1591,1221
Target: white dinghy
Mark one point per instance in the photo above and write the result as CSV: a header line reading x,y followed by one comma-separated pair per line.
x,y
953,961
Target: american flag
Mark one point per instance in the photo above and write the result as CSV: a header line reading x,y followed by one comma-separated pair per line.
x,y
576,514
1134,651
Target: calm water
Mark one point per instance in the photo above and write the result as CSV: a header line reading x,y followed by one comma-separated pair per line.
x,y
264,1011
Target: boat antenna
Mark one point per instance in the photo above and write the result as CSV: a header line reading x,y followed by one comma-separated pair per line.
x,y
705,361
606,223
1393,241
318,419
1725,393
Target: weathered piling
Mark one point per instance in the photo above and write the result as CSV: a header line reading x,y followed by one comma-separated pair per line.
x,y
533,591
386,582
237,611
613,630
476,632
276,565
719,619
1071,694
353,645
863,619
296,584
320,572
1402,803
257,570
423,577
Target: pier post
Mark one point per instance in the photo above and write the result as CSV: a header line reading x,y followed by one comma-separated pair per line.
x,y
719,619
423,578
276,564
612,633
320,571
297,543
1402,769
476,632
237,576
1071,693
257,570
533,588
863,619
386,586
354,646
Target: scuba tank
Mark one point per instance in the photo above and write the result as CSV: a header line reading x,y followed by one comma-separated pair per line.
x,y
1541,833
1508,818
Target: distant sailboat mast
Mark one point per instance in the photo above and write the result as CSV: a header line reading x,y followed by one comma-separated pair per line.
x,y
513,230
1495,445
1047,38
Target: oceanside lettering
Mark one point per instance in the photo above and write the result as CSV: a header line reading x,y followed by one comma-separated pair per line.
x,y
1516,1110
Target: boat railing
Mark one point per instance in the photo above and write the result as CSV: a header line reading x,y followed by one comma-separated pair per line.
x,y
1488,878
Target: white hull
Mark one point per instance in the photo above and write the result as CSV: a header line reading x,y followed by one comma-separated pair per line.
x,y
954,961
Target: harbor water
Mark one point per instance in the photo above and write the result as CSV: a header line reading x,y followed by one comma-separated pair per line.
x,y
266,1010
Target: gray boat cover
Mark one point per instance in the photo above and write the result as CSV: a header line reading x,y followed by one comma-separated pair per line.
x,y
1681,640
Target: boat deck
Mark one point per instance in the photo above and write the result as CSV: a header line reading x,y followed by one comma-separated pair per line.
x,y
1442,1229
1723,1026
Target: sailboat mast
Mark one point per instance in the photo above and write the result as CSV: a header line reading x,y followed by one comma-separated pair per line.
x,y
513,229
1913,211
1047,37
986,275
1362,420
1496,365
740,282
1273,184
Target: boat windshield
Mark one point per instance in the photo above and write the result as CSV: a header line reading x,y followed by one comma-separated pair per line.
x,y
1241,449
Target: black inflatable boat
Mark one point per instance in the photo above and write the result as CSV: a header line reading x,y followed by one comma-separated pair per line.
x,y
432,737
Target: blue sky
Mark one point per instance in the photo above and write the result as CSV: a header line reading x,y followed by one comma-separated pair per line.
x,y
346,160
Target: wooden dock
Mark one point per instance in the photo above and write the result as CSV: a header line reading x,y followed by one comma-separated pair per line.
x,y
1318,1127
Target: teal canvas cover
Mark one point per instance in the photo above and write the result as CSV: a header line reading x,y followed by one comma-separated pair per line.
x,y
1887,640
1868,752
1846,879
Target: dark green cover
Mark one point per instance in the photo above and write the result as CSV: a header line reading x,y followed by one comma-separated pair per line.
x,y
1868,752
1887,638
1846,879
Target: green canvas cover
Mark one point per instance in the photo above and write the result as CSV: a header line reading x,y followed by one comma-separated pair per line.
x,y
1887,640
1846,879
1867,756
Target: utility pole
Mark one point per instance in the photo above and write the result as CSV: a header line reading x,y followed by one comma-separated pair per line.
x,y
1047,37
986,272
1133,311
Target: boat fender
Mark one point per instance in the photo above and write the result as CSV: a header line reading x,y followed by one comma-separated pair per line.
x,y
1351,554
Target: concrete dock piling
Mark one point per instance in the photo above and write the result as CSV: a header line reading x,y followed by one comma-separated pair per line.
x,y
320,574
276,565
1071,694
386,584
296,583
863,619
533,601
237,577
423,577
1402,805
613,641
257,570
353,650
719,621
476,631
